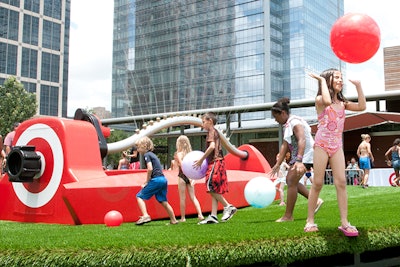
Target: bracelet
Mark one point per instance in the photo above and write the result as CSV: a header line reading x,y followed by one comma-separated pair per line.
x,y
299,158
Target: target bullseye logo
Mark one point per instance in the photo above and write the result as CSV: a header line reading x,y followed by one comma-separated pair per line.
x,y
48,135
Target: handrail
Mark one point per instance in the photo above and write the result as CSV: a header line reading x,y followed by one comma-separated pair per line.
x,y
155,126
245,108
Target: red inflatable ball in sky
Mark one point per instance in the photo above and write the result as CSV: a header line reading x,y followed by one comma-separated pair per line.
x,y
355,38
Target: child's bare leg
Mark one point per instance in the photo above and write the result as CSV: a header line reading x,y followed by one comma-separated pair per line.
x,y
142,206
281,193
170,212
190,189
182,198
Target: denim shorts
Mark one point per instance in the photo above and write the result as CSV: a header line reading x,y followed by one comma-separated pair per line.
x,y
365,163
396,164
157,187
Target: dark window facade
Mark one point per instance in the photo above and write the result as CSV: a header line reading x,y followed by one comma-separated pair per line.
x,y
29,63
49,100
32,5
31,30
50,67
8,58
9,20
51,35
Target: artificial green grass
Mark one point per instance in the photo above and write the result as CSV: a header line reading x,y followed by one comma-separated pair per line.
x,y
251,236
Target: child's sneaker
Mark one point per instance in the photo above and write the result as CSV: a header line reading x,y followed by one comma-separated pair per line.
x,y
210,219
143,220
228,213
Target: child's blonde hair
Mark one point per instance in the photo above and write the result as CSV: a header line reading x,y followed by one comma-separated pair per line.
x,y
365,136
145,143
183,145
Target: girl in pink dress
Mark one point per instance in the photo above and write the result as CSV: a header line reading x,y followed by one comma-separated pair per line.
x,y
331,105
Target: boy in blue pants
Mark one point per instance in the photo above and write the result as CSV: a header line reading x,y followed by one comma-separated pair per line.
x,y
156,184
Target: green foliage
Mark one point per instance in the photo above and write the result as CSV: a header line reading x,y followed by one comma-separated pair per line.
x,y
116,135
251,237
17,105
161,142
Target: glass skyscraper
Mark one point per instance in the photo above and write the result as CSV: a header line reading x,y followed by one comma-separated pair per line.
x,y
183,55
34,47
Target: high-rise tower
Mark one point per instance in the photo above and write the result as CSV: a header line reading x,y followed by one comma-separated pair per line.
x,y
34,47
190,54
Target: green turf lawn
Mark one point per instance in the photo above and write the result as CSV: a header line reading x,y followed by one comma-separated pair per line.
x,y
251,236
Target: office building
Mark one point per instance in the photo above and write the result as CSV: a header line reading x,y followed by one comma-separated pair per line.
x,y
391,59
34,47
182,55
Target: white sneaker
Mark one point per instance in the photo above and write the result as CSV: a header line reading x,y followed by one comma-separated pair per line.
x,y
210,219
143,220
228,213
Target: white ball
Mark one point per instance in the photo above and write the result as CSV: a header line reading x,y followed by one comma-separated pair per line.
x,y
260,192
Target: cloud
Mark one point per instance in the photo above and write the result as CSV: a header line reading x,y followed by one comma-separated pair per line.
x,y
90,61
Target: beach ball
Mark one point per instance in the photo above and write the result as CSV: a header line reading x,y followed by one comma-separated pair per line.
x,y
113,218
260,192
355,37
187,165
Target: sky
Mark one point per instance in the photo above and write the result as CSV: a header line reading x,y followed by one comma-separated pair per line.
x,y
90,54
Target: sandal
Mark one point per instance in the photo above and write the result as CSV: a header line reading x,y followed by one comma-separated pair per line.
x,y
319,204
346,232
311,227
143,220
170,223
284,220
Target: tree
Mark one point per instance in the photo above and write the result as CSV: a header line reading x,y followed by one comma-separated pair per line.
x,y
116,135
17,105
159,145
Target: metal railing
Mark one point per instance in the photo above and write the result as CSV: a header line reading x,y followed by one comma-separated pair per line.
x,y
392,95
353,176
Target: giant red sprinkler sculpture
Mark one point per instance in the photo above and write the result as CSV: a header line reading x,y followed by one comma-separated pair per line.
x,y
55,173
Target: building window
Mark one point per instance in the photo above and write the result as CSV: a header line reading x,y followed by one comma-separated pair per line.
x,y
49,100
29,63
50,67
29,87
9,24
11,2
32,5
8,58
30,34
51,35
52,8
